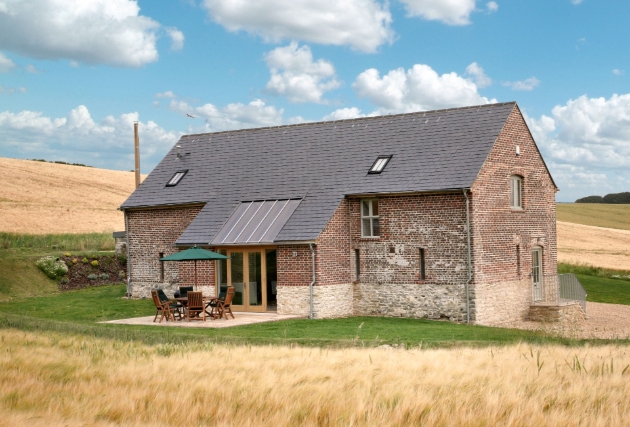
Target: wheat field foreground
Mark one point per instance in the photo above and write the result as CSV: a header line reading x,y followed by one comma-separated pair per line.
x,y
56,380
42,198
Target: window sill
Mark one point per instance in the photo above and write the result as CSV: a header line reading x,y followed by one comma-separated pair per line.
x,y
370,237
517,209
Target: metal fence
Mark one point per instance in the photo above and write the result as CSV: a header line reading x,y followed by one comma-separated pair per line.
x,y
560,289
570,289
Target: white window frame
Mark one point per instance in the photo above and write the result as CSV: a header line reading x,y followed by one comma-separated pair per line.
x,y
516,192
371,217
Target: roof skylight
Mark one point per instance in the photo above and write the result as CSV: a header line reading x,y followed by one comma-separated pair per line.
x,y
379,164
176,178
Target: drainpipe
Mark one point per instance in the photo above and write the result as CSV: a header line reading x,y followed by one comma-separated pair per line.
x,y
128,252
310,246
465,190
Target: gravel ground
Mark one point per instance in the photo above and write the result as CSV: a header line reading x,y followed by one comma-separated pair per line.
x,y
608,321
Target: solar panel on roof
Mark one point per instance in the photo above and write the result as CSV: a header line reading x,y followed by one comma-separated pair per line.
x,y
256,222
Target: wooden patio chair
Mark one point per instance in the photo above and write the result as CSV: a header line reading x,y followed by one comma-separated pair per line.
x,y
225,306
162,308
177,308
195,309
183,290
214,304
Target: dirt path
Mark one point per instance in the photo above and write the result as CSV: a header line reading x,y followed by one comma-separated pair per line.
x,y
607,321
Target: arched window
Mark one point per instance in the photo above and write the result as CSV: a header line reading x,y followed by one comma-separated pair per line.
x,y
516,192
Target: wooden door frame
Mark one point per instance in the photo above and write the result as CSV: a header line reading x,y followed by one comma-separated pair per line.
x,y
246,250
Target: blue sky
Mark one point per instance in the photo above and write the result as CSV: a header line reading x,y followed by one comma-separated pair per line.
x,y
75,75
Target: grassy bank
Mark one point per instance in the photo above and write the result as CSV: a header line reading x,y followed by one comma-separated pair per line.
x,y
595,214
50,379
19,277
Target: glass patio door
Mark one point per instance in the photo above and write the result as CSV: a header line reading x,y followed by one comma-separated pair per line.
x,y
245,271
537,282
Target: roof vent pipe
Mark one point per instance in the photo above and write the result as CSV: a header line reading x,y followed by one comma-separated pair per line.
x,y
179,154
311,314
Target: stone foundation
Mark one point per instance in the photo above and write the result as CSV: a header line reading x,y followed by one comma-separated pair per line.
x,y
501,302
553,313
328,301
410,300
143,289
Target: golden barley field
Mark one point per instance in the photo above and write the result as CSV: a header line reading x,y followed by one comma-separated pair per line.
x,y
42,198
56,380
597,246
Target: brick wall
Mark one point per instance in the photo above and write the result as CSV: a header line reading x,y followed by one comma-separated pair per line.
x,y
154,231
501,271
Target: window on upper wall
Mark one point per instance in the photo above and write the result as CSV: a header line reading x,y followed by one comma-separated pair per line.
x,y
516,192
369,218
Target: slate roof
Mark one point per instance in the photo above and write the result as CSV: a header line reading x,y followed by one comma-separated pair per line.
x,y
321,163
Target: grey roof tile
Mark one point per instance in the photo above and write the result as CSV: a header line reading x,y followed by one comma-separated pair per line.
x,y
321,163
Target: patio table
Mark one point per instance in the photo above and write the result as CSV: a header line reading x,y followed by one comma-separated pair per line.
x,y
206,299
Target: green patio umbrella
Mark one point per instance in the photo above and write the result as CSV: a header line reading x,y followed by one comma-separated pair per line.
x,y
194,254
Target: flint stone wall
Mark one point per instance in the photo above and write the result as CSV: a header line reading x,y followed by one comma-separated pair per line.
x,y
328,300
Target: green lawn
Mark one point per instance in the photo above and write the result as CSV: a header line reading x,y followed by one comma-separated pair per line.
x,y
77,312
601,289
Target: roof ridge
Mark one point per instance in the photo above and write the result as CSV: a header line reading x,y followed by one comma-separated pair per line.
x,y
497,104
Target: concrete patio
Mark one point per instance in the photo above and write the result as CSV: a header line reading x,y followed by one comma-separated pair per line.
x,y
240,319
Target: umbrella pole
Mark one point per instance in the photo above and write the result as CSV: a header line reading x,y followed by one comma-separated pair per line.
x,y
195,274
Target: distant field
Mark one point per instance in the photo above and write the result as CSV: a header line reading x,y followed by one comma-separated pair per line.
x,y
601,247
42,198
595,214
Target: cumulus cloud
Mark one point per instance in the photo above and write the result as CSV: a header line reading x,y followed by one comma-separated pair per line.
x,y
78,138
232,116
452,12
527,84
177,38
417,89
295,75
361,24
92,31
167,94
617,72
492,6
587,139
344,114
6,64
478,75
30,68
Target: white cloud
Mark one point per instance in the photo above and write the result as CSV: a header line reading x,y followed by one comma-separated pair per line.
x,y
6,64
78,138
344,114
478,75
576,1
30,68
12,90
74,64
452,12
617,72
527,84
177,38
232,116
167,94
295,75
361,24
492,6
417,89
91,31
587,139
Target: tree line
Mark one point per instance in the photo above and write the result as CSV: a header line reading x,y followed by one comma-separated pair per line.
x,y
613,198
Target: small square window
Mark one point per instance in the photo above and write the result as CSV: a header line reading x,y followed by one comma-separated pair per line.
x,y
379,164
176,178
